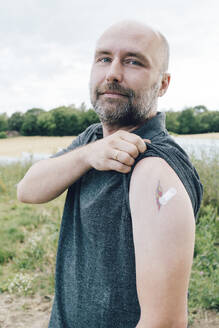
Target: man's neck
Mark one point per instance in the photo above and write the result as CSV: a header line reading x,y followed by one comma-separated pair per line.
x,y
110,129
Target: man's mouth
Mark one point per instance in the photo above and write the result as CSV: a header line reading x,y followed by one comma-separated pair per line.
x,y
114,91
113,94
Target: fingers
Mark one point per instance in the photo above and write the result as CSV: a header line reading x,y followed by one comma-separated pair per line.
x,y
125,146
133,139
122,157
147,140
119,167
116,152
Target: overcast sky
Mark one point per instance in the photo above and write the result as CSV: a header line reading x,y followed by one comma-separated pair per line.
x,y
46,49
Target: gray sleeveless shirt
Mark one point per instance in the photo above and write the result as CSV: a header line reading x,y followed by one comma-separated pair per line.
x,y
95,268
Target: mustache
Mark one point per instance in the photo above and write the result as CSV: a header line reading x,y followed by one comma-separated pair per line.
x,y
115,87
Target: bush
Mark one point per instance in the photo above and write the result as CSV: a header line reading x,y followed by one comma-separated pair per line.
x,y
192,120
15,121
3,135
3,122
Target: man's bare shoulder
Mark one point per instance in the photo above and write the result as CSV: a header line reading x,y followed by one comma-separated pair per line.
x,y
155,188
153,173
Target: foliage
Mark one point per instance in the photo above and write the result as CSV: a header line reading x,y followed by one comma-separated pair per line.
x,y
192,120
70,120
172,122
21,284
15,121
29,235
28,238
46,124
3,122
204,281
66,121
208,170
61,121
86,118
3,135
29,126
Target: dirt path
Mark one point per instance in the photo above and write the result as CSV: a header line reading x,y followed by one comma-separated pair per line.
x,y
27,312
24,312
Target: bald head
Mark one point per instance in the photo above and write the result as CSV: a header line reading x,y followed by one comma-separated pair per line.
x,y
152,37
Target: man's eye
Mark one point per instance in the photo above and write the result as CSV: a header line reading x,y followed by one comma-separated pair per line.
x,y
133,62
104,60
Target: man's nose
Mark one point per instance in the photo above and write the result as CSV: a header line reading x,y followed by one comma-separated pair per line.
x,y
115,73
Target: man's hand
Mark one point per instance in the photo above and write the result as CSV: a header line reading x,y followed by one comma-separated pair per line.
x,y
116,152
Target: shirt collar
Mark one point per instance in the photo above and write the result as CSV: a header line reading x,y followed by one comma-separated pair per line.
x,y
148,130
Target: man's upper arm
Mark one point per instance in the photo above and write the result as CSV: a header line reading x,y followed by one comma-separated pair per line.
x,y
164,242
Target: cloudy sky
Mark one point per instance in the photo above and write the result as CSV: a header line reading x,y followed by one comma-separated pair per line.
x,y
46,49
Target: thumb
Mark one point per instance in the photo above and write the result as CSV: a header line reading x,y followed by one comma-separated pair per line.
x,y
147,140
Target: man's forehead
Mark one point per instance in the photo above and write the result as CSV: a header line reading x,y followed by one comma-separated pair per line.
x,y
125,39
127,32
137,37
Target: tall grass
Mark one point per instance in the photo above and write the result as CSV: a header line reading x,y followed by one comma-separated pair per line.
x,y
28,238
204,282
208,170
29,234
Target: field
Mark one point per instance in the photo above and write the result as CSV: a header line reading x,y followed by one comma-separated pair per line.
x,y
213,135
14,147
29,235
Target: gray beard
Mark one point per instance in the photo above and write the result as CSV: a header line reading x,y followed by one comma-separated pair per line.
x,y
126,114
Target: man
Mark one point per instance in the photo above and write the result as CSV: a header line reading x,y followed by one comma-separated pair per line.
x,y
127,235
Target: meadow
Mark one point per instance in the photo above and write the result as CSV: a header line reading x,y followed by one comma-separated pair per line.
x,y
29,236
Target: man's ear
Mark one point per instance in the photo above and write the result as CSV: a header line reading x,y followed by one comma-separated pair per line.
x,y
164,84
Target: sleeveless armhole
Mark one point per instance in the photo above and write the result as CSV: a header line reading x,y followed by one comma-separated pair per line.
x,y
180,163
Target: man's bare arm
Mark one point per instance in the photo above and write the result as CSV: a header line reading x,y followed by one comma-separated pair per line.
x,y
164,235
48,178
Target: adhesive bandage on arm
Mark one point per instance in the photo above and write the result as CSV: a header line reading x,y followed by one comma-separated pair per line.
x,y
164,199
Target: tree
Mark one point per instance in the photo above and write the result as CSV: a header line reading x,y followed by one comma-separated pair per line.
x,y
214,125
187,121
3,122
172,123
15,121
87,118
46,124
66,121
35,111
200,109
29,126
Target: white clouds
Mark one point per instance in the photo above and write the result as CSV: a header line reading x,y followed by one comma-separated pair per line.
x,y
46,49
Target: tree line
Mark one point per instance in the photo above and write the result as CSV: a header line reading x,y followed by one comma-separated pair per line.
x,y
192,120
61,121
70,120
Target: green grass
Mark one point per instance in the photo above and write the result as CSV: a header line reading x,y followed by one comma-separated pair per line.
x,y
28,238
29,235
208,170
204,281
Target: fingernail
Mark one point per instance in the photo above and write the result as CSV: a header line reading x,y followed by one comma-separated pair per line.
x,y
147,140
